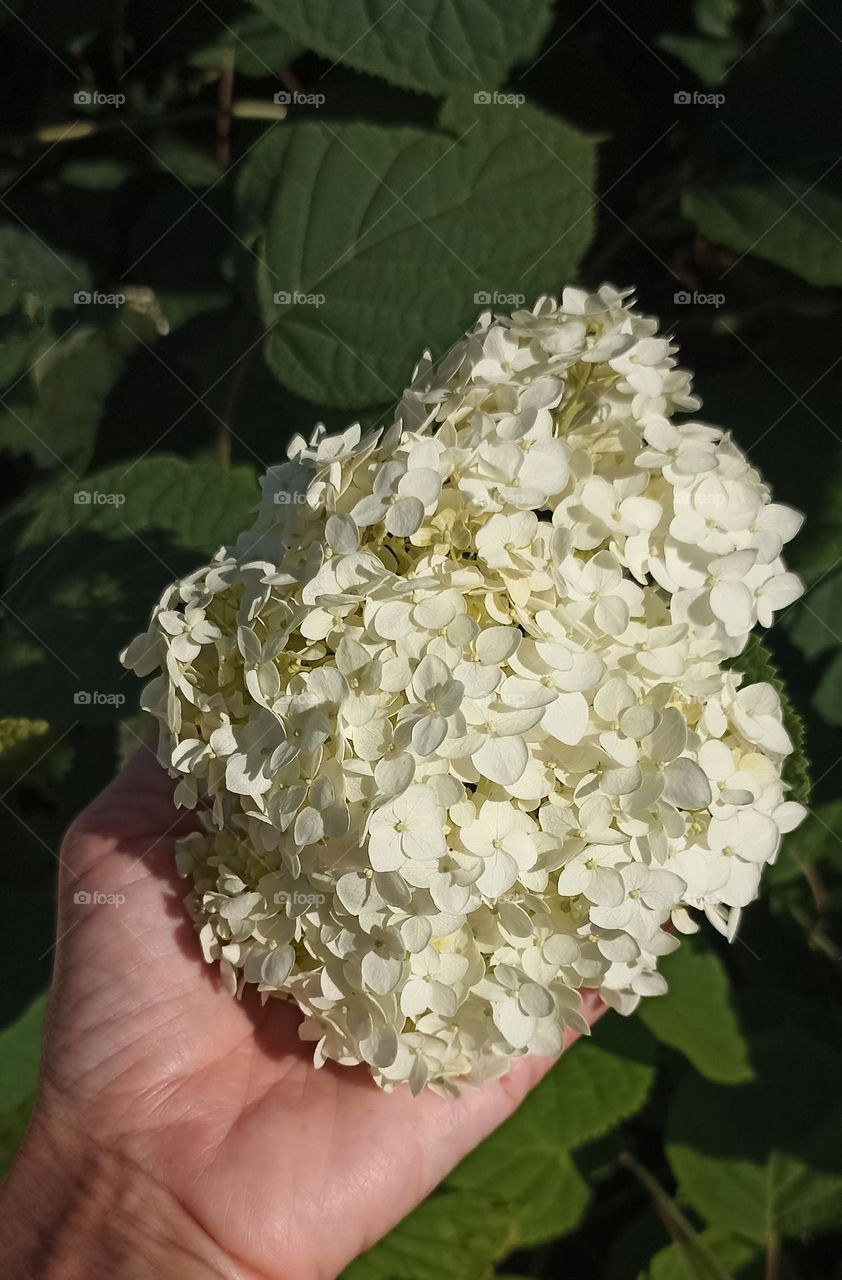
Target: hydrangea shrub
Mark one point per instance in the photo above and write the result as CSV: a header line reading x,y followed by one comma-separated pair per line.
x,y
455,712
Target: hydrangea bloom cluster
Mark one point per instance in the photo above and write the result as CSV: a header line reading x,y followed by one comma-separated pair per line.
x,y
456,707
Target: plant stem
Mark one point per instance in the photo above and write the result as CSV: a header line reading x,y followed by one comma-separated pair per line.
x,y
678,1226
290,80
773,1257
223,435
223,116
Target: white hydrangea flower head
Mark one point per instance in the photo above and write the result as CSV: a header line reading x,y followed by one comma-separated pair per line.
x,y
456,711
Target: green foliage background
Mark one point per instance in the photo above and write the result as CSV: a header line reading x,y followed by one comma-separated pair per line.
x,y
285,260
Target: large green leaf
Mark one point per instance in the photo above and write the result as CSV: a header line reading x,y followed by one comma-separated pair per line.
x,y
20,1052
92,559
697,1016
764,1158
454,1235
540,1182
594,1086
380,242
430,45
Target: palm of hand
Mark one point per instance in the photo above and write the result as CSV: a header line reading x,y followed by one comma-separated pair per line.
x,y
290,1170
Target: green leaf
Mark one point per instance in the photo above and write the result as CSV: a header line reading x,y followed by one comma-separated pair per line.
x,y
429,45
394,238
193,166
767,183
253,46
764,1157
92,559
180,308
827,699
542,1184
20,1053
95,174
133,732
708,58
54,412
786,222
13,1125
453,1235
757,665
816,840
710,50
35,282
817,629
712,1255
29,261
55,416
596,1084
697,1016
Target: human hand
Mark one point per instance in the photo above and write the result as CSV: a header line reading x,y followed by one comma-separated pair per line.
x,y
182,1132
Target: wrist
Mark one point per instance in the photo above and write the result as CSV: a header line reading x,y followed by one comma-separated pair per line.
x,y
70,1210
